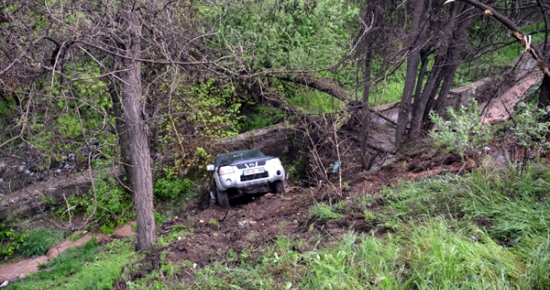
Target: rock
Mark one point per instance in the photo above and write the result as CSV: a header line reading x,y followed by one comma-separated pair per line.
x,y
247,224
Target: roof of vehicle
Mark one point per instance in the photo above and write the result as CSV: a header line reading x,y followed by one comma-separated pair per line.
x,y
230,157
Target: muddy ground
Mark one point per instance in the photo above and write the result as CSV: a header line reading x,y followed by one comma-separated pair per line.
x,y
256,222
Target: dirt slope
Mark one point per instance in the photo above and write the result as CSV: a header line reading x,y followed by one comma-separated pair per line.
x,y
256,222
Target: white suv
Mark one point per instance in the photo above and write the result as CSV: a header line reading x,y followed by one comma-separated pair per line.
x,y
244,172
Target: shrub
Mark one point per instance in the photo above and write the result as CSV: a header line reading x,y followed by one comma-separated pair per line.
x,y
172,188
465,132
39,241
527,129
112,205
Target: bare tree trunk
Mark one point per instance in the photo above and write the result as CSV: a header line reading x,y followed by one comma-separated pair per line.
x,y
412,69
454,60
373,11
437,74
544,96
141,176
122,134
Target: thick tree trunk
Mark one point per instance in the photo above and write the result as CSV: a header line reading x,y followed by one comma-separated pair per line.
x,y
412,69
141,176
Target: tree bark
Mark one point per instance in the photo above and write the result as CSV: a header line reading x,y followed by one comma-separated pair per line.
x,y
439,70
366,161
413,60
141,176
120,126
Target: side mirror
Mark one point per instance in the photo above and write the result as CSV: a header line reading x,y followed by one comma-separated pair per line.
x,y
210,167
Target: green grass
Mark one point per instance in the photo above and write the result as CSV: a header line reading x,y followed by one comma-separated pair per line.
x,y
324,211
83,267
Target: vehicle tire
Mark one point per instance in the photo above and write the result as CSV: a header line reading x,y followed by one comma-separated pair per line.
x,y
278,187
212,191
222,198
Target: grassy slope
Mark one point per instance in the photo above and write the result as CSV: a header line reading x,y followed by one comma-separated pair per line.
x,y
481,231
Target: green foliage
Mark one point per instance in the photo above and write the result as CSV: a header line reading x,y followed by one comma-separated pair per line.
x,y
160,218
211,112
263,117
213,109
296,169
465,134
291,34
528,130
111,205
324,211
39,241
10,240
173,189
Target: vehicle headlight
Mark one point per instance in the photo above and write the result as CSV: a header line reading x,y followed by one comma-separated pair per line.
x,y
275,161
225,170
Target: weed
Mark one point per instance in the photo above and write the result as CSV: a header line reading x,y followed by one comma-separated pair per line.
x,y
214,222
39,241
369,216
324,211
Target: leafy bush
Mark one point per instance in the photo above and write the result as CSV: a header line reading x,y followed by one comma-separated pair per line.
x,y
39,241
465,132
527,128
10,240
171,188
112,205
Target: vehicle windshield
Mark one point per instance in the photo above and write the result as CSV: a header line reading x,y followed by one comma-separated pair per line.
x,y
236,156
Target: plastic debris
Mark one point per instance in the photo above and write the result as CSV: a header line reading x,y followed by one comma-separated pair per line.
x,y
336,167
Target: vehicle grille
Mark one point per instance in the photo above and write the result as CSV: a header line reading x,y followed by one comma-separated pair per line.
x,y
255,176
245,165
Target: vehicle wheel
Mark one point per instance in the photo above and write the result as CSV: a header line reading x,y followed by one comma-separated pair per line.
x,y
278,187
222,198
212,192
